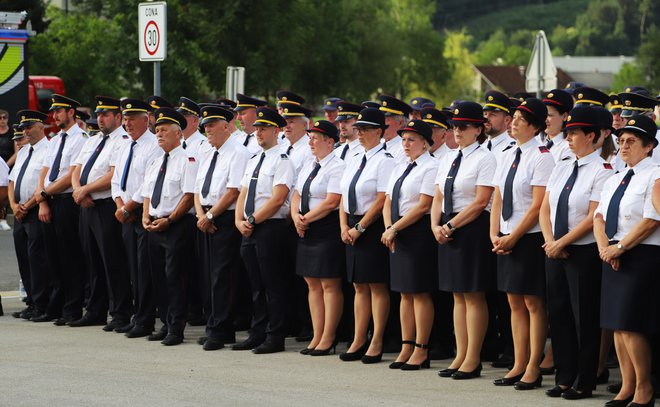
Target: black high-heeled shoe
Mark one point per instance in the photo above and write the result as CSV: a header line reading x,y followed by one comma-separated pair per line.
x,y
426,364
447,372
324,352
397,365
651,403
357,355
508,381
458,375
520,385
619,403
368,359
305,351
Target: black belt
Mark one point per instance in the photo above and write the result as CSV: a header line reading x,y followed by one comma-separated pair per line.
x,y
102,200
62,196
153,218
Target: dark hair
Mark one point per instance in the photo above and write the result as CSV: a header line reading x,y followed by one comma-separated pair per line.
x,y
534,121
607,149
594,130
482,135
645,141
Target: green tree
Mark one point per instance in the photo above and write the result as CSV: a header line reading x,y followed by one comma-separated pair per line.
x,y
648,57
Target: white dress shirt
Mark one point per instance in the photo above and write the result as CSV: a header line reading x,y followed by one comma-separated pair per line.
x,y
636,203
300,154
477,168
534,169
249,141
500,144
276,169
4,174
73,144
196,145
179,180
146,150
559,149
228,172
395,148
441,152
420,180
374,177
353,148
31,175
326,180
593,171
106,159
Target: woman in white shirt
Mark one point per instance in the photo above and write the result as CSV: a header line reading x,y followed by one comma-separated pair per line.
x,y
572,264
628,238
410,241
320,256
460,219
520,183
363,188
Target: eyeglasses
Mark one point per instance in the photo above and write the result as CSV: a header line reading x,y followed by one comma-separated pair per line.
x,y
3,117
461,126
362,130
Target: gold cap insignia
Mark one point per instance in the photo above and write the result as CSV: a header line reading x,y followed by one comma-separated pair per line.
x,y
53,99
415,101
128,106
100,102
261,114
359,116
183,104
523,103
22,117
206,113
286,110
550,95
490,98
580,96
568,119
411,124
153,103
328,103
628,103
632,122
161,115
340,108
384,102
627,89
284,98
455,111
568,85
428,116
316,124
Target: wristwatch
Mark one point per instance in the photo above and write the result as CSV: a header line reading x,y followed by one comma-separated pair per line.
x,y
620,246
209,215
359,228
251,220
124,212
44,194
450,226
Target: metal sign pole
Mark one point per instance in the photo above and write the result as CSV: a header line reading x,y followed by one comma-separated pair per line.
x,y
157,78
540,66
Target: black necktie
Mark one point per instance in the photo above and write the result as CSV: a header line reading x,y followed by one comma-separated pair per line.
x,y
19,179
396,192
561,216
55,169
288,150
549,144
507,200
84,175
127,167
449,184
209,174
184,144
352,198
304,199
247,140
489,146
612,221
252,188
158,188
343,153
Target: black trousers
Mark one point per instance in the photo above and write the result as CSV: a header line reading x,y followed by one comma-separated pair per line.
x,y
105,258
263,254
221,255
199,297
32,260
573,301
136,247
169,253
65,256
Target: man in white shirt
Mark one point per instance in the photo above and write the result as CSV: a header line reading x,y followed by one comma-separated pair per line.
x,y
246,114
396,113
296,143
442,136
498,112
346,118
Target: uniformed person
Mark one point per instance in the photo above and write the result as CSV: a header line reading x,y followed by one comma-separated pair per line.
x,y
81,119
320,256
130,169
460,224
100,233
396,113
296,144
438,120
347,114
498,113
573,268
330,109
558,104
615,108
627,234
28,234
246,114
229,105
59,215
93,127
634,104
417,104
409,239
586,96
168,200
363,187
287,99
520,182
261,212
155,102
216,190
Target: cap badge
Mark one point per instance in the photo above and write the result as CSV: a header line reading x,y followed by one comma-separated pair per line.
x,y
340,108
411,124
428,116
100,102
490,98
261,114
628,89
359,116
523,103
161,115
316,124
550,95
183,104
284,98
128,106
384,102
455,111
628,103
286,110
632,122
415,101
580,96
568,119
329,103
22,117
206,113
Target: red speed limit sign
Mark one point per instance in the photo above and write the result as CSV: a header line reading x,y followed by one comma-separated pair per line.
x,y
152,31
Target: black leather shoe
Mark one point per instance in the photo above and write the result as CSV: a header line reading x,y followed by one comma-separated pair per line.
x,y
42,318
305,351
124,329
158,336
504,361
324,352
250,343
520,385
88,320
26,313
447,372
426,364
604,377
614,388
202,340
213,344
651,403
63,321
357,355
619,403
508,381
269,347
172,339
114,324
556,391
369,360
572,394
139,331
458,375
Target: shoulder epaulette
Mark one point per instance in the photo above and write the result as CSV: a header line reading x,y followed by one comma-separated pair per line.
x,y
544,149
388,155
284,156
507,147
253,156
566,158
607,166
191,159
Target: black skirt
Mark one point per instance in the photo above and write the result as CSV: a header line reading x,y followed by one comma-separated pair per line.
x,y
412,265
367,262
321,252
629,297
466,263
522,271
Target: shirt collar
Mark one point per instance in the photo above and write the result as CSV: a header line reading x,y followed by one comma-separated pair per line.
x,y
373,151
326,160
193,137
179,149
145,137
393,141
353,144
117,133
645,163
470,149
500,138
533,142
302,140
422,158
40,144
277,149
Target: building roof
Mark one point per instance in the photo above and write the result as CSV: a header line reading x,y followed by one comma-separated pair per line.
x,y
510,79
571,63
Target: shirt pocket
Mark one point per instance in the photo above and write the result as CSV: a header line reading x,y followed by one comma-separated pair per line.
x,y
172,184
265,182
